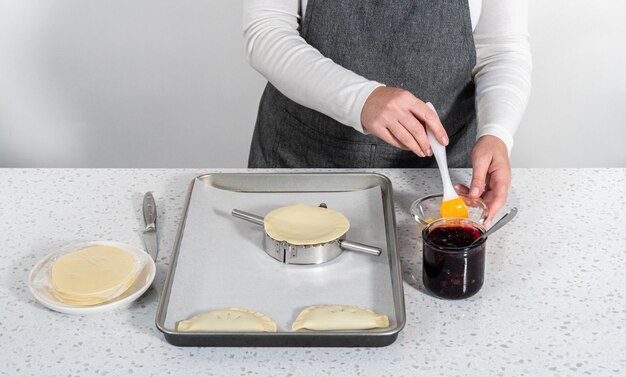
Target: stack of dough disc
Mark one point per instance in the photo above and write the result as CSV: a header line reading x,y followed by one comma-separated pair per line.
x,y
92,275
302,224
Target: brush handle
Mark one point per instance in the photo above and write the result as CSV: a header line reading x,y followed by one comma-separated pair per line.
x,y
442,162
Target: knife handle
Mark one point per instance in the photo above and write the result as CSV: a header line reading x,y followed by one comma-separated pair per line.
x,y
149,210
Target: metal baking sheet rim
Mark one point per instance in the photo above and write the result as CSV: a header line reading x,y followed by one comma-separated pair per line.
x,y
367,338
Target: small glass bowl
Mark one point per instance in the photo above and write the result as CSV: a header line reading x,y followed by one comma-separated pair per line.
x,y
425,210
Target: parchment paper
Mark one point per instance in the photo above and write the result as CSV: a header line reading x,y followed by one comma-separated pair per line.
x,y
222,263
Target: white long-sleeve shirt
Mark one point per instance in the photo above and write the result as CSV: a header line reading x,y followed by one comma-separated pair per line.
x,y
502,72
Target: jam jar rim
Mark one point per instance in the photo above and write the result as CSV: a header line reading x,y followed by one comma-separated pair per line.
x,y
454,249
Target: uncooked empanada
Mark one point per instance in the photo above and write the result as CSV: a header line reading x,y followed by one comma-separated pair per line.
x,y
228,320
303,224
339,317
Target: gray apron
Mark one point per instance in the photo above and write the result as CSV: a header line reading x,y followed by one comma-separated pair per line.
x,y
425,47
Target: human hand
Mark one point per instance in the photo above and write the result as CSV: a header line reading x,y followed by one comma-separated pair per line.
x,y
400,119
491,174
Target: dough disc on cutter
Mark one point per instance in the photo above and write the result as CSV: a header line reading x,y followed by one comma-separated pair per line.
x,y
303,224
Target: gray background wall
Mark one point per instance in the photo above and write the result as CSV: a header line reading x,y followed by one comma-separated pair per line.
x,y
165,83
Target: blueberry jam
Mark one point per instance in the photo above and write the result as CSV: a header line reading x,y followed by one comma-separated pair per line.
x,y
454,235
451,269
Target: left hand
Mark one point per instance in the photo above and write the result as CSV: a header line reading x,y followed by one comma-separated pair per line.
x,y
491,174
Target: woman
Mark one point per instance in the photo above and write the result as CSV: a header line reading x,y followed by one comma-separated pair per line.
x,y
348,82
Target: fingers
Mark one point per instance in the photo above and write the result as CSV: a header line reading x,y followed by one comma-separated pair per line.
x,y
480,166
497,192
417,133
495,201
405,138
491,175
461,189
431,120
390,139
400,119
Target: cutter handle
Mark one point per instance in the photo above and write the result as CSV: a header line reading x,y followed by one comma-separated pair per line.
x,y
355,246
248,217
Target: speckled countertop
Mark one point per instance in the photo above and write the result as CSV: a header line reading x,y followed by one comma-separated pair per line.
x,y
553,303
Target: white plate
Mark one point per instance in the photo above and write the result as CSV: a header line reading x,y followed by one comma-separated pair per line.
x,y
142,283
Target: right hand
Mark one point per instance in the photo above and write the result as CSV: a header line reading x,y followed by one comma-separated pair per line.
x,y
400,119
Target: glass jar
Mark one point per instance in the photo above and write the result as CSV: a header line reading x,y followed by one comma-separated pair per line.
x,y
452,269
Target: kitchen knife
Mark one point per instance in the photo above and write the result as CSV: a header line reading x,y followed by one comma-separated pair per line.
x,y
150,233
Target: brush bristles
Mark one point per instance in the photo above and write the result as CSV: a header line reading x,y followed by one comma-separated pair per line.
x,y
454,208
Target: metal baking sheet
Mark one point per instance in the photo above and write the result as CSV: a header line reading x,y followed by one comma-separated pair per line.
x,y
219,261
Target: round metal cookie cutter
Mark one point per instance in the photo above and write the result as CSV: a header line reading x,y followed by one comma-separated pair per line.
x,y
288,253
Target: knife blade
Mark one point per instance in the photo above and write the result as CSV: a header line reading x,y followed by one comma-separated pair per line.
x,y
150,233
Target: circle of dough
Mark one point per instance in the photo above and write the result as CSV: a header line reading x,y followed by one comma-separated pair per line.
x,y
97,271
302,224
